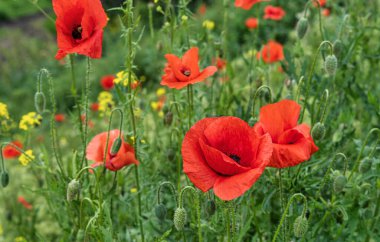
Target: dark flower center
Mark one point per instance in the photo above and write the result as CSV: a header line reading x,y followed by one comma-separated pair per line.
x,y
77,33
235,158
185,71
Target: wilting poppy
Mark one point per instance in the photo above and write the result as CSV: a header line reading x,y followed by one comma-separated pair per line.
x,y
252,23
107,82
96,150
225,154
274,13
271,52
247,4
10,152
79,27
182,72
292,143
59,117
24,203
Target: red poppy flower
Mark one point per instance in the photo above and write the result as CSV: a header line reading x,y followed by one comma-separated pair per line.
x,y
94,107
107,82
321,3
274,13
219,63
10,152
225,154
24,203
252,23
326,12
182,72
292,143
202,9
96,148
271,52
247,4
79,27
59,117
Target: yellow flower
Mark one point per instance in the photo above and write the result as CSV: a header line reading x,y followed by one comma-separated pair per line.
x,y
26,158
30,120
155,1
160,92
4,111
133,190
161,114
208,24
122,77
154,105
105,103
20,239
1,230
251,53
184,18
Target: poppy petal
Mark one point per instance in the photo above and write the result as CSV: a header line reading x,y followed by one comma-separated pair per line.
x,y
190,59
207,72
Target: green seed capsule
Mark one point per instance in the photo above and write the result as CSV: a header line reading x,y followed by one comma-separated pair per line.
x,y
318,131
302,27
365,165
338,47
331,64
339,183
4,179
180,218
210,207
73,190
160,211
39,102
300,226
115,146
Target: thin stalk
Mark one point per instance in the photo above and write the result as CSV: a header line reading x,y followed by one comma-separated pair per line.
x,y
86,94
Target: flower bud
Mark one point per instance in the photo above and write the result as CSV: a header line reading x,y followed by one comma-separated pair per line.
x,y
365,165
252,121
331,64
4,178
115,146
179,218
160,211
339,183
168,118
170,153
338,47
210,207
302,27
300,226
73,190
318,131
39,102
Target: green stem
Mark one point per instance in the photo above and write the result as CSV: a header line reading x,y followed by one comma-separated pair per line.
x,y
257,93
319,16
86,94
282,202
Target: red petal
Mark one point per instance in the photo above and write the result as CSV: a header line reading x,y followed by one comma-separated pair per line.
x,y
207,72
190,59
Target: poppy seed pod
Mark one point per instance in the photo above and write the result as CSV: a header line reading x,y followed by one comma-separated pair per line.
x,y
39,102
73,190
318,131
4,178
302,27
337,47
160,211
180,218
331,64
365,165
115,146
300,226
210,207
339,183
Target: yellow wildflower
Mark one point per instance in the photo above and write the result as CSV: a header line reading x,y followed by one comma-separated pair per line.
x,y
154,105
160,92
20,239
105,103
1,230
251,53
122,78
4,111
133,190
208,24
161,114
184,18
30,120
26,158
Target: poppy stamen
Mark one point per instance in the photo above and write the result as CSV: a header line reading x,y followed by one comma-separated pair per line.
x,y
77,33
235,158
185,71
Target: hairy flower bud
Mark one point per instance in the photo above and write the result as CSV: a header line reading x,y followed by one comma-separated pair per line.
x,y
210,207
73,190
331,64
168,118
115,146
302,27
300,226
318,131
252,121
180,218
4,178
39,102
365,165
160,211
339,183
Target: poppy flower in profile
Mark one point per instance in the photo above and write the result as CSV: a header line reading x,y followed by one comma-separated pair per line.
x,y
271,52
25,203
10,152
326,12
182,72
79,27
292,143
247,4
274,13
97,146
107,82
94,107
225,154
59,118
252,23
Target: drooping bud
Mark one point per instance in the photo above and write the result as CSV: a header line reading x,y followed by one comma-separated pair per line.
x,y
160,211
116,146
365,165
300,226
338,47
302,27
180,218
210,207
4,178
168,118
339,183
318,131
40,102
73,190
331,64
